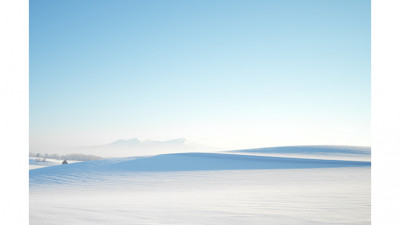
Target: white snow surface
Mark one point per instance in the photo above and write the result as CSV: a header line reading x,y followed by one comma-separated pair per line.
x,y
202,188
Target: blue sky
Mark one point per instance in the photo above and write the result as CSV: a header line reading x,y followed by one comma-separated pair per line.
x,y
232,74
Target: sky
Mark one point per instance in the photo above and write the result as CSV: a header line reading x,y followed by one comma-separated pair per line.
x,y
227,74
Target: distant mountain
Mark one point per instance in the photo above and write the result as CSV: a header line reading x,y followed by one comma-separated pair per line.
x,y
137,147
136,142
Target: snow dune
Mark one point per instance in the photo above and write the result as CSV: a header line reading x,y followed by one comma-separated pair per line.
x,y
181,162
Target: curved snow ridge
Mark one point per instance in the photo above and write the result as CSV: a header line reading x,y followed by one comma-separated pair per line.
x,y
192,161
89,171
313,149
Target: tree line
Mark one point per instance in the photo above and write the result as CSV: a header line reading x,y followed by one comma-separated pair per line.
x,y
74,156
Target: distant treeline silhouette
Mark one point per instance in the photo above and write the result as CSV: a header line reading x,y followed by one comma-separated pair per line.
x,y
75,156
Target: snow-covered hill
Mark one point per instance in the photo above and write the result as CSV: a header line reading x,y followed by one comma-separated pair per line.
x,y
181,162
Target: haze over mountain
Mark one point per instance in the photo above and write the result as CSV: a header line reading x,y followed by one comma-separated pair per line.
x,y
136,142
138,147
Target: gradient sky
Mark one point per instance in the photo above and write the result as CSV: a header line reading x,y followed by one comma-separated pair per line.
x,y
232,74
